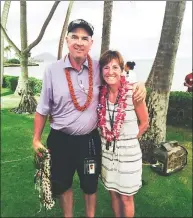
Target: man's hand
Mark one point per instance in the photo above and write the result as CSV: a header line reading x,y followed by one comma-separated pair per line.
x,y
139,91
39,123
37,145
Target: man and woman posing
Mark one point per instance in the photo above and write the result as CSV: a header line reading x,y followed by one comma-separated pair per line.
x,y
91,135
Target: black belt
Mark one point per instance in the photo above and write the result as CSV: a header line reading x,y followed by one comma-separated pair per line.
x,y
93,132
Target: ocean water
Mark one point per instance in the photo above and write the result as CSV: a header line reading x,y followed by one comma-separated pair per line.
x,y
181,69
142,70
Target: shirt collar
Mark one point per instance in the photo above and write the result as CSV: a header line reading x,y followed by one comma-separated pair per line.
x,y
67,64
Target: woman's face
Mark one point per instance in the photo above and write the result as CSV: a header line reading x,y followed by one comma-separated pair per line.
x,y
112,72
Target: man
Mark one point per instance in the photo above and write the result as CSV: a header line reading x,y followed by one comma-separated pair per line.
x,y
188,82
70,95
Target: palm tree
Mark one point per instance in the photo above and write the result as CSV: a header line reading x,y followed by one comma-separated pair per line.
x,y
28,102
163,70
149,81
4,17
64,29
107,17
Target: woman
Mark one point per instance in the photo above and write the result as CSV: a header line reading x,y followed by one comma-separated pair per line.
x,y
121,154
130,74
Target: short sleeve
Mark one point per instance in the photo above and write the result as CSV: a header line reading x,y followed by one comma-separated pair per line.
x,y
46,96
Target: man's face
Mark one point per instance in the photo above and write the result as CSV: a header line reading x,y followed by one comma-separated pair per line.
x,y
79,43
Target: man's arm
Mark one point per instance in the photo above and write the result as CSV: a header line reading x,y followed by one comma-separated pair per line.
x,y
143,117
139,91
42,110
39,123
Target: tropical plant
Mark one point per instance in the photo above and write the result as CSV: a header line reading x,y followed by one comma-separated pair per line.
x,y
64,29
28,102
106,32
163,70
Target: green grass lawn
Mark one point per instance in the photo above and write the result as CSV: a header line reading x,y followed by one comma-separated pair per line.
x,y
169,196
5,92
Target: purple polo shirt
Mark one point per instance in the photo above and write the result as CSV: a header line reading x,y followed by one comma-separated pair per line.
x,y
55,97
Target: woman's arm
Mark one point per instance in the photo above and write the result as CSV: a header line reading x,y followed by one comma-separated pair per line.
x,y
142,115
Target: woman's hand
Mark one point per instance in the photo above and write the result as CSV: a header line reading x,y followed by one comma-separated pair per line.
x,y
142,128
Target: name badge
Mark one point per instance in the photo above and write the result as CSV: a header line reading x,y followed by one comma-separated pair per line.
x,y
89,166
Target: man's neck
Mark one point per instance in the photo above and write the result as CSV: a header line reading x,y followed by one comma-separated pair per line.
x,y
76,63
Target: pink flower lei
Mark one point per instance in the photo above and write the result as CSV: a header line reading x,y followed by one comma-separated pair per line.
x,y
119,118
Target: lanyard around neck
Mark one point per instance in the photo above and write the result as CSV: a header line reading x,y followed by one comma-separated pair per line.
x,y
111,119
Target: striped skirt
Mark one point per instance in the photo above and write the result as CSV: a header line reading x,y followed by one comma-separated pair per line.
x,y
122,169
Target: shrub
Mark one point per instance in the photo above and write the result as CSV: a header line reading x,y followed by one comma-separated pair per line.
x,y
35,85
13,61
12,81
179,108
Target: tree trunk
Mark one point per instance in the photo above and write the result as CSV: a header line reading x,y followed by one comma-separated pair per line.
x,y
24,57
149,81
107,17
163,71
27,103
4,22
64,29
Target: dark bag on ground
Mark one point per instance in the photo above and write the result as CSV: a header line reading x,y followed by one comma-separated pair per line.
x,y
169,157
147,147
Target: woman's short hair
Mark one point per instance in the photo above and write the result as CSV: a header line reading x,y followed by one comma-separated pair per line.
x,y
107,57
131,64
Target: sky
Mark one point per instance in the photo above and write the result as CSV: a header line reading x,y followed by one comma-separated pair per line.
x,y
135,31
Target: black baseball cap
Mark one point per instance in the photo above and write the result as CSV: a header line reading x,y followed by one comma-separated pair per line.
x,y
80,23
